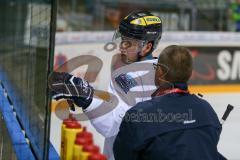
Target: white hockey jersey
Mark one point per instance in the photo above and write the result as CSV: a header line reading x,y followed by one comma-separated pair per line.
x,y
129,85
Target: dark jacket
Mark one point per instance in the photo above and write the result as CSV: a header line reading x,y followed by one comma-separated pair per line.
x,y
175,126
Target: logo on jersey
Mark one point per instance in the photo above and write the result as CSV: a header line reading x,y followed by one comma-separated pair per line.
x,y
125,82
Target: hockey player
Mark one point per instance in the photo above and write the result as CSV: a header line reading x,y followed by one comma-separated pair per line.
x,y
132,78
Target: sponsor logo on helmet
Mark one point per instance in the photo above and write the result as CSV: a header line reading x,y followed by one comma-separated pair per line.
x,y
152,20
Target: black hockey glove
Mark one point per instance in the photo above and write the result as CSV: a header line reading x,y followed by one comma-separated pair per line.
x,y
66,86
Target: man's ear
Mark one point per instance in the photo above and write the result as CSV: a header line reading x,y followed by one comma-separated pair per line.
x,y
158,76
160,72
146,49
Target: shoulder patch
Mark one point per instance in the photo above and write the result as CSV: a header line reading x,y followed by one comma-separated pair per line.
x,y
125,82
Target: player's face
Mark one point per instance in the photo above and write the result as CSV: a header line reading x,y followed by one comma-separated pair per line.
x,y
130,49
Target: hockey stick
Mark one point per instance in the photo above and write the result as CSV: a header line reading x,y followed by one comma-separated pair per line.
x,y
226,113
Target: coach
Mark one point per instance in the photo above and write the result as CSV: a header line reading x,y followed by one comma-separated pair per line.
x,y
174,124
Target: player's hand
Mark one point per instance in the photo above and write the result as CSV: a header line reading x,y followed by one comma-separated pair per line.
x,y
66,86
